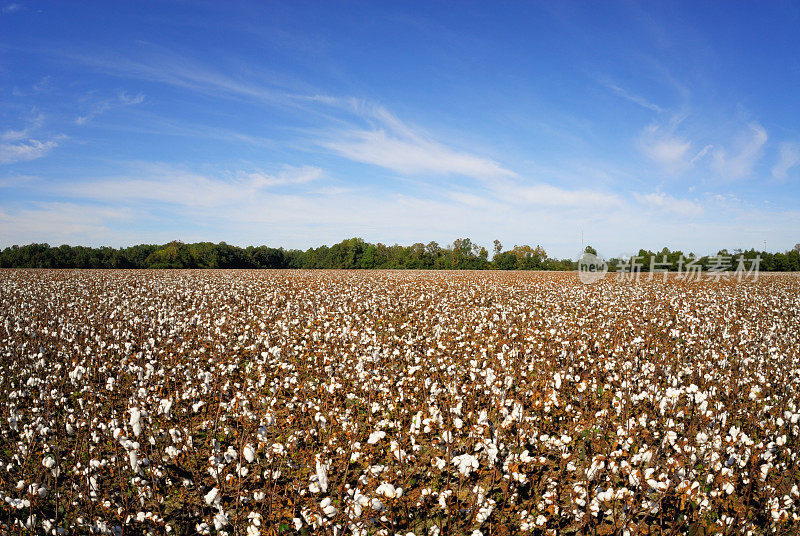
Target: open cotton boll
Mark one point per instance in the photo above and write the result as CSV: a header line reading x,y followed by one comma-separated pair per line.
x,y
220,520
389,491
374,437
321,475
165,407
213,498
327,507
135,421
249,453
466,463
133,458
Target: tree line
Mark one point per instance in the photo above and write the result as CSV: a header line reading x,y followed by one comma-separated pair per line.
x,y
354,253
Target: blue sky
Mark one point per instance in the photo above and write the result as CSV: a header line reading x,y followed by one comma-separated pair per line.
x,y
300,124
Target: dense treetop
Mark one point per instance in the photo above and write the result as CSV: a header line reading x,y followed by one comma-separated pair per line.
x,y
354,253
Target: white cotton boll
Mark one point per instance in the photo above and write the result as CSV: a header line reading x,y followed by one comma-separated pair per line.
x,y
166,407
212,497
606,495
230,455
389,491
374,437
557,381
49,462
322,475
764,471
466,463
197,405
220,520
135,421
77,373
327,507
134,461
249,453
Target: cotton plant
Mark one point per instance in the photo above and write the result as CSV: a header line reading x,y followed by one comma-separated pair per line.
x,y
396,403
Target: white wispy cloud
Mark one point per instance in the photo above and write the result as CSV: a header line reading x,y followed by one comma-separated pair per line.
x,y
43,84
159,64
634,98
172,185
387,142
668,203
14,135
412,156
789,158
665,148
122,99
11,8
21,145
24,150
60,223
33,122
286,177
241,208
15,181
701,153
748,150
392,144
546,195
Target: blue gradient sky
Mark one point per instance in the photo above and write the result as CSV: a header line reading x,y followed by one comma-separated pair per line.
x,y
298,124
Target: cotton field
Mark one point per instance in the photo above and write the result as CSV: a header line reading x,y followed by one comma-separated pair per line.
x,y
425,403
